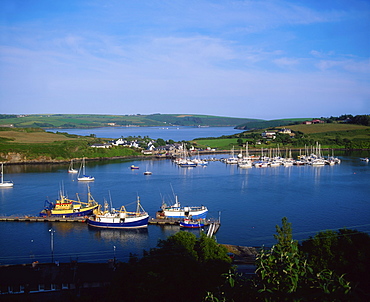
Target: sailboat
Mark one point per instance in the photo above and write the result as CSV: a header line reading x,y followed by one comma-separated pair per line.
x,y
4,183
82,174
71,169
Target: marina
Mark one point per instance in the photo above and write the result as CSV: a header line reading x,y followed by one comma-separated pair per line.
x,y
251,202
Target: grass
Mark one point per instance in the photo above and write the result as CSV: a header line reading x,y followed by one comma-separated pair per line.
x,y
36,144
96,120
222,143
328,135
33,137
321,128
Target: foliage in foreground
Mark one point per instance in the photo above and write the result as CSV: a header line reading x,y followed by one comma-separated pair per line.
x,y
185,267
284,273
182,268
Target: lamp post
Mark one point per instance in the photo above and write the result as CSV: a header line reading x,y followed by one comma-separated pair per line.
x,y
52,244
114,249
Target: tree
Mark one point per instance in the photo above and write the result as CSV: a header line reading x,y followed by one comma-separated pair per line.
x,y
345,252
284,274
161,142
181,268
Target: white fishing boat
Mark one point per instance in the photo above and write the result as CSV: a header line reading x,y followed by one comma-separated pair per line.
x,y
71,169
5,183
366,159
178,211
111,218
82,173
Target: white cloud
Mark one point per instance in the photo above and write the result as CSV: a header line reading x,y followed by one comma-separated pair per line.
x,y
286,62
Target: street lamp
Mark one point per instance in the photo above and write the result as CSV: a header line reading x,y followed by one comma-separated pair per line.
x,y
52,244
114,249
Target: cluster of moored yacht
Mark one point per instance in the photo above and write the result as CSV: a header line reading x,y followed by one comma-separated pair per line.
x,y
271,159
274,159
105,216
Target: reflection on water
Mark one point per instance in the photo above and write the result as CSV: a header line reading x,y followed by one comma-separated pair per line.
x,y
135,235
65,228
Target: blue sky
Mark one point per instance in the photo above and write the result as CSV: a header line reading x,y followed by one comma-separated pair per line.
x,y
256,59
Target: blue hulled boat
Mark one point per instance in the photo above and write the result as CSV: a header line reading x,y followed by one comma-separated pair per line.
x,y
119,219
191,223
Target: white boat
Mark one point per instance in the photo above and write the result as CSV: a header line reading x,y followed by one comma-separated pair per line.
x,y
287,163
365,159
5,183
317,162
71,169
111,218
245,164
177,211
82,174
232,160
147,173
260,164
275,163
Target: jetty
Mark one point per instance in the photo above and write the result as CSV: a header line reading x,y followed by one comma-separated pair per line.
x,y
153,221
42,219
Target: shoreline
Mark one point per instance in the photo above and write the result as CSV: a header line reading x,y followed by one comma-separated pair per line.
x,y
152,156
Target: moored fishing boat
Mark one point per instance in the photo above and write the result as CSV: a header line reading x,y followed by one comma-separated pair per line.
x,y
119,219
177,211
65,207
134,167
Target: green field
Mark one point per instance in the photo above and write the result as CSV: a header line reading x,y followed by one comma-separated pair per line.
x,y
91,120
334,136
35,144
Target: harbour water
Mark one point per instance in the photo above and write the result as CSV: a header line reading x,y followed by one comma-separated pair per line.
x,y
250,202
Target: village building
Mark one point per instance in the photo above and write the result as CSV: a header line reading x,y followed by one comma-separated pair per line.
x,y
269,134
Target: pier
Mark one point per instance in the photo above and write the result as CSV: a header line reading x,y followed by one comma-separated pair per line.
x,y
153,221
41,219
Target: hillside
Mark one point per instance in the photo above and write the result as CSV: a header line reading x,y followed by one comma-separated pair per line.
x,y
25,145
333,135
91,120
272,123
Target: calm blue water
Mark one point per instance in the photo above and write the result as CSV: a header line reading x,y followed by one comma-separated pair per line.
x,y
251,203
166,133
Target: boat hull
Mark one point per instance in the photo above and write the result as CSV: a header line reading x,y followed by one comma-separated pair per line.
x,y
86,178
184,213
191,225
68,213
115,223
